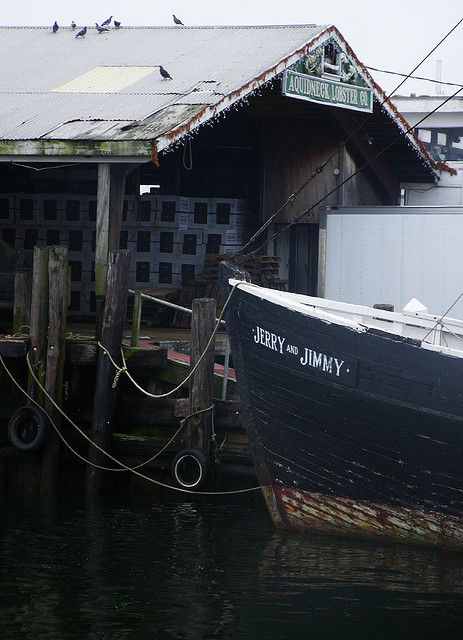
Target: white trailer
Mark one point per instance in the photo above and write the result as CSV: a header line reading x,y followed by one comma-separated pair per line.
x,y
370,255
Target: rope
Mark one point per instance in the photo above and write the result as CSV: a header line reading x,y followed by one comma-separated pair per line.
x,y
78,455
123,369
132,470
439,320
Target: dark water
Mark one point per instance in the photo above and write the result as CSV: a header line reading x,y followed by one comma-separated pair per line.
x,y
210,570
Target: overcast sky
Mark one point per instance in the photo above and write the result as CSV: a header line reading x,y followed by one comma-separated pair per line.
x,y
392,34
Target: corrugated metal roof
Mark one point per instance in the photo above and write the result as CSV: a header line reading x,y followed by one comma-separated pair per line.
x,y
205,63
211,67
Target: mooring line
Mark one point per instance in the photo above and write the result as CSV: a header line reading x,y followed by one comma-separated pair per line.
x,y
123,369
123,466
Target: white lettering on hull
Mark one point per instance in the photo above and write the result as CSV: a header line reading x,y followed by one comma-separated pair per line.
x,y
310,358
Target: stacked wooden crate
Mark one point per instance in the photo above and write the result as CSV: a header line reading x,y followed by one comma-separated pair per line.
x,y
263,270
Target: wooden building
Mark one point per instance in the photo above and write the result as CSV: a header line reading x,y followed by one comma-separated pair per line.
x,y
99,151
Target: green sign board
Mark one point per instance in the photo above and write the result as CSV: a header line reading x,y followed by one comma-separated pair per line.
x,y
327,75
322,90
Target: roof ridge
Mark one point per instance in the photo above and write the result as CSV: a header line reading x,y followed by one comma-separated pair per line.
x,y
186,27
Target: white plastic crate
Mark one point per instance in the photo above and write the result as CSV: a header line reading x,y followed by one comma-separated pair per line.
x,y
27,238
7,210
171,203
230,249
232,205
158,280
26,209
190,241
88,206
144,211
72,213
233,236
231,221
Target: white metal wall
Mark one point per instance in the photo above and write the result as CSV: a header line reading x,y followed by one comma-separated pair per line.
x,y
391,254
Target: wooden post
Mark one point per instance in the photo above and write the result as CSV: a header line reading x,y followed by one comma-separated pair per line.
x,y
102,238
112,330
57,310
116,203
199,433
22,300
136,319
37,353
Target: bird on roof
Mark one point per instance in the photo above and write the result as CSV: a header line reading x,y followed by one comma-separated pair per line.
x,y
55,27
81,33
177,20
107,21
117,24
165,74
73,25
100,29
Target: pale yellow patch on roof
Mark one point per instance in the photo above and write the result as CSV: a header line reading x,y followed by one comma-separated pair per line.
x,y
105,80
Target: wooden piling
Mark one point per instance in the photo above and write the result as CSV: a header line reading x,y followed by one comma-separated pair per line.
x,y
37,353
102,239
22,300
57,316
199,430
112,329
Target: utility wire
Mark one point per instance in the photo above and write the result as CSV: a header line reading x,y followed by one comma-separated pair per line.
x,y
293,197
302,215
396,73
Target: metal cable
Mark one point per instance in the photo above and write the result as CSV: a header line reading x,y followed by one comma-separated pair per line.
x,y
292,198
379,154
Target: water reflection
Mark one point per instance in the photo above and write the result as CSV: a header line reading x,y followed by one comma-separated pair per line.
x,y
209,570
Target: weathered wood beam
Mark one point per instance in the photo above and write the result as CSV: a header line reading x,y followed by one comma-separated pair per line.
x,y
57,317
136,150
112,329
102,236
118,175
199,429
22,300
380,168
37,353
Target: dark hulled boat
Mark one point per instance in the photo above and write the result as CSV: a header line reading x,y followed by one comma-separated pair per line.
x,y
354,415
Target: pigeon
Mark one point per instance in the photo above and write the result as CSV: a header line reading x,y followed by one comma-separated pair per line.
x,y
165,74
55,27
81,33
73,25
117,24
107,21
100,29
177,21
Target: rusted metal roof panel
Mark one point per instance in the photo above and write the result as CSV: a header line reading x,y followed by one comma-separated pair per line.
x,y
206,63
212,68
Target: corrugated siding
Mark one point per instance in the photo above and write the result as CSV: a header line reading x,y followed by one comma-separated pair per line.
x,y
206,63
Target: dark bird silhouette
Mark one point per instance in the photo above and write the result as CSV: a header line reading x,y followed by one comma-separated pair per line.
x,y
117,24
107,21
177,21
100,29
73,25
55,27
165,74
81,33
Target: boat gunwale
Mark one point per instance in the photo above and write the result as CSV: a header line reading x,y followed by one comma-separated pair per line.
x,y
317,307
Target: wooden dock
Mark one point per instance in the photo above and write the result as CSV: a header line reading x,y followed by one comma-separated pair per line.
x,y
132,426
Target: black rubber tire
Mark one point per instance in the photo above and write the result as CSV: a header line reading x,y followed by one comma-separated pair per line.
x,y
30,421
193,461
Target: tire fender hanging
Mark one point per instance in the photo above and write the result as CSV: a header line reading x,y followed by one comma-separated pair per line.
x,y
28,429
190,469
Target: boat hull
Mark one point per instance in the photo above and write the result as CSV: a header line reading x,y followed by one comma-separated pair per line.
x,y
352,434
